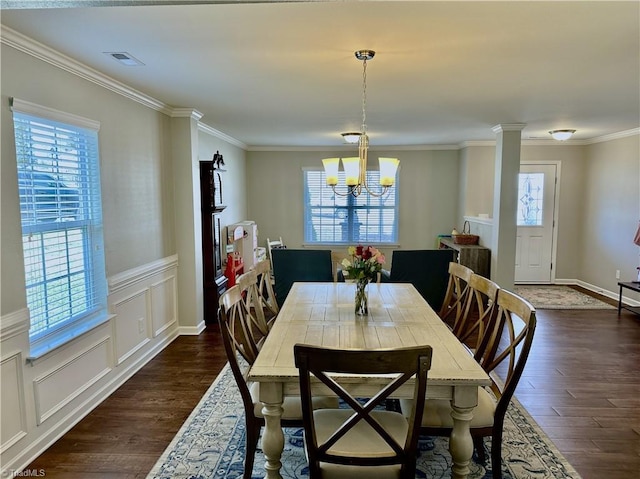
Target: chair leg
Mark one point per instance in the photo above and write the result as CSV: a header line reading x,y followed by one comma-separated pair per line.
x,y
252,436
496,453
478,444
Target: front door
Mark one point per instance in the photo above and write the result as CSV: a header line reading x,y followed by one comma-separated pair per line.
x,y
535,220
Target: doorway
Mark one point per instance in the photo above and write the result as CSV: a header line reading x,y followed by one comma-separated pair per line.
x,y
536,219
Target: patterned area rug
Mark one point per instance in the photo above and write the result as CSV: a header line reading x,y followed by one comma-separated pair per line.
x,y
559,297
210,444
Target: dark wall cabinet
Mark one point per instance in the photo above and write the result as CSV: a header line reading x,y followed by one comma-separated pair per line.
x,y
215,283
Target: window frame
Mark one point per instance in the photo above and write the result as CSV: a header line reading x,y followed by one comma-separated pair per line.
x,y
77,264
350,208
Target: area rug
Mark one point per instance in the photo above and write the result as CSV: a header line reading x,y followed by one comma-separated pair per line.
x,y
210,444
559,297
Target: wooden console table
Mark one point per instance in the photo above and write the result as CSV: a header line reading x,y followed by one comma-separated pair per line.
x,y
633,286
476,257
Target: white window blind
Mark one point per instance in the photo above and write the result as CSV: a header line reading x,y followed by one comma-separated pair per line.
x,y
61,214
330,218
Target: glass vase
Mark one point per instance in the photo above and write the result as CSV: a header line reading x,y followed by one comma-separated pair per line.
x,y
361,300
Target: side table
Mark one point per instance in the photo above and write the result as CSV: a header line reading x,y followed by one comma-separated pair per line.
x,y
633,286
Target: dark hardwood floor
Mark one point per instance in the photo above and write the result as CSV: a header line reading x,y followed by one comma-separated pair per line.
x,y
581,385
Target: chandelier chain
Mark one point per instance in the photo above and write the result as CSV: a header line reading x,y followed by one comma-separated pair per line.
x,y
364,96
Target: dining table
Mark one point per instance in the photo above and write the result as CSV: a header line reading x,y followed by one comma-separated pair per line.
x,y
323,314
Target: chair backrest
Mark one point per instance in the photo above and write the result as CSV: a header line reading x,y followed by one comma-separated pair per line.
x,y
291,265
275,244
265,290
401,363
456,295
237,340
254,312
480,311
505,348
427,270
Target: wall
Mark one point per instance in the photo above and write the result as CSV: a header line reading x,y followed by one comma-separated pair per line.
x,y
598,205
428,182
42,399
611,198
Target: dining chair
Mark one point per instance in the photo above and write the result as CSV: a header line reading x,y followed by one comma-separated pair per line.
x,y
252,308
291,265
480,312
265,291
503,355
241,353
455,297
427,270
361,440
275,244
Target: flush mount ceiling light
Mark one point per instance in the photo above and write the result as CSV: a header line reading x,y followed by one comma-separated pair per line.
x,y
562,135
351,137
355,169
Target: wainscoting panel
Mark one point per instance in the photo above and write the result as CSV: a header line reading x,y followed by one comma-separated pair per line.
x,y
131,324
163,306
13,418
43,399
58,387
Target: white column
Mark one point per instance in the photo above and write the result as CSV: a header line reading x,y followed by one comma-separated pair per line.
x,y
505,203
186,184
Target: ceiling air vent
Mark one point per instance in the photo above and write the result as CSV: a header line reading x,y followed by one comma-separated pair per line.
x,y
124,58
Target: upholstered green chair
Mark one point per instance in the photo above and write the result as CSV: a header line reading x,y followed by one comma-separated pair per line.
x,y
292,265
427,270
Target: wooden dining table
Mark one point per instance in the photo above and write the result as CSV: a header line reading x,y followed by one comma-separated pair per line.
x,y
323,314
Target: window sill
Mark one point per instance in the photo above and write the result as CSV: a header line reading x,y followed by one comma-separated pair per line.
x,y
346,245
45,346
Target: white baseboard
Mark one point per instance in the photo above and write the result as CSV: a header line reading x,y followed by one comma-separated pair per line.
x,y
598,290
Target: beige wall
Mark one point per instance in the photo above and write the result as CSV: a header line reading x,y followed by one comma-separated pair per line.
x,y
610,194
428,182
136,169
598,204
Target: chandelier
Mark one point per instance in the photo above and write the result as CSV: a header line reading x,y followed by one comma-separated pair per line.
x,y
355,168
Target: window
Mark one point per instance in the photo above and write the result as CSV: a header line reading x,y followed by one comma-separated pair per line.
x,y
330,218
530,189
60,209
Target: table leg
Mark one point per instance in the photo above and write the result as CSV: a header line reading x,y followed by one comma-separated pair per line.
x,y
271,396
620,302
461,442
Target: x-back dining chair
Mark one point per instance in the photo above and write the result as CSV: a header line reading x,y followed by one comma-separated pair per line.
x,y
456,295
479,313
265,291
275,244
358,441
241,353
252,307
503,354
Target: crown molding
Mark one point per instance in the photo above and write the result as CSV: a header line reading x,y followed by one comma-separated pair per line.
x,y
223,136
49,55
186,113
613,136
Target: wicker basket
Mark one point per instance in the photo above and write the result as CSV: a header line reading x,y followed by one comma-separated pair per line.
x,y
465,237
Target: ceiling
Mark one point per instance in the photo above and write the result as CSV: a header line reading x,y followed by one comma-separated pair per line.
x,y
271,74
